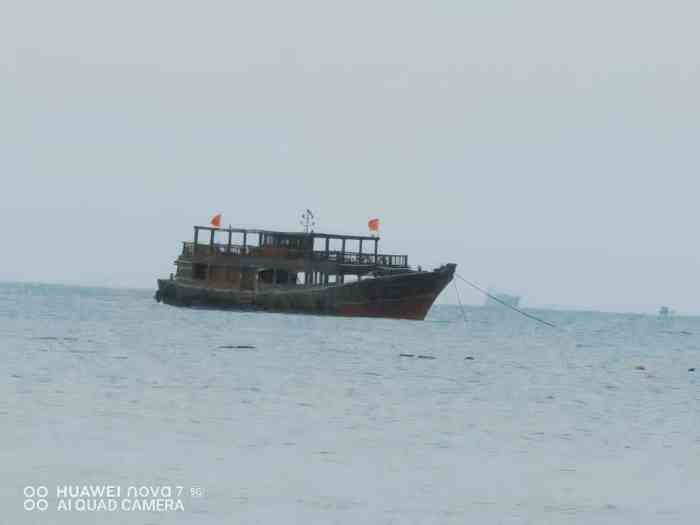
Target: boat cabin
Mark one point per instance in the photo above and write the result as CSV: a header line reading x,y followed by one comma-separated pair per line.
x,y
252,259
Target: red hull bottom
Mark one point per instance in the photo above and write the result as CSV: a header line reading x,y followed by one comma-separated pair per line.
x,y
414,309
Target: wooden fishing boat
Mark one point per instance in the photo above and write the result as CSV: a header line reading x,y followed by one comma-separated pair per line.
x,y
304,272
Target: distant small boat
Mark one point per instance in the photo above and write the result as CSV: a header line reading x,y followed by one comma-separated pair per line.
x,y
498,299
665,311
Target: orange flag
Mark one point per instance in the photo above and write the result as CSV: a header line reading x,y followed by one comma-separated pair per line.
x,y
216,220
373,225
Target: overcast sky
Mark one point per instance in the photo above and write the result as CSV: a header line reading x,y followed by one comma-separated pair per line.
x,y
548,147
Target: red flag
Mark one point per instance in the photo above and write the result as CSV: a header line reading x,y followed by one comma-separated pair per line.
x,y
216,220
373,225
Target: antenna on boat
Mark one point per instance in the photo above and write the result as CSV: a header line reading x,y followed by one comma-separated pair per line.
x,y
308,220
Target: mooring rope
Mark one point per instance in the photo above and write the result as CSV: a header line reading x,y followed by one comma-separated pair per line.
x,y
461,307
476,287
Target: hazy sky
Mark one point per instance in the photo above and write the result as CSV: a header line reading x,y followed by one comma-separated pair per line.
x,y
548,147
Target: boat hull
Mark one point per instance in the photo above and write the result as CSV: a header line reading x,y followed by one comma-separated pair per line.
x,y
402,296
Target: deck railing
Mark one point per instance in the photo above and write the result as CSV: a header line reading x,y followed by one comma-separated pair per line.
x,y
351,258
189,249
363,259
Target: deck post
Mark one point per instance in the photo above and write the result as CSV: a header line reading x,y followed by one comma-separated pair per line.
x,y
376,247
360,253
196,240
211,242
342,252
228,246
245,239
327,241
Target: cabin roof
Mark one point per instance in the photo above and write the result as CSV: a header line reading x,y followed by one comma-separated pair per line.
x,y
290,234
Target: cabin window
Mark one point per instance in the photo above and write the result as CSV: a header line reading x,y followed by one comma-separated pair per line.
x,y
265,276
199,271
280,276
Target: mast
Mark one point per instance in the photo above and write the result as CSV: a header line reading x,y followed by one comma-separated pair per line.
x,y
308,221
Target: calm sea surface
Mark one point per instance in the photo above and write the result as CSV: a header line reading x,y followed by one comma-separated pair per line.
x,y
324,422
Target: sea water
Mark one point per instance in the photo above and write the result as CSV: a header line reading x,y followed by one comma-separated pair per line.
x,y
272,418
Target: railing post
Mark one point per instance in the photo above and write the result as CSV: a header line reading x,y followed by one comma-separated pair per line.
x,y
228,246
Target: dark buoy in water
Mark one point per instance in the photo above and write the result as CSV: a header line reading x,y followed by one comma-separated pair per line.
x,y
407,355
691,369
469,358
640,367
426,357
